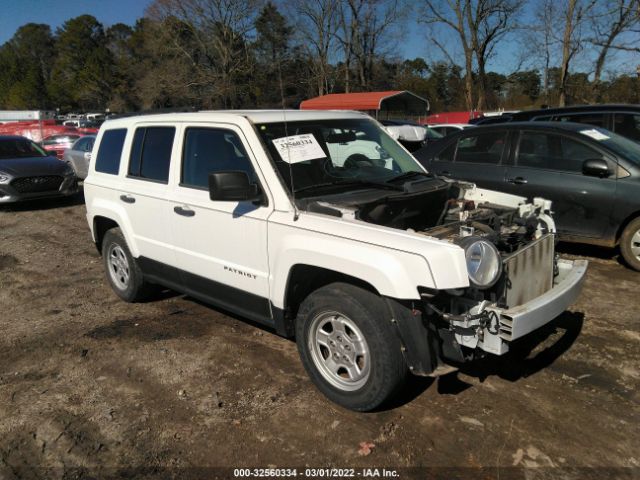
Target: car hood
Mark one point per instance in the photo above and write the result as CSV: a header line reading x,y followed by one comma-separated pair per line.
x,y
32,166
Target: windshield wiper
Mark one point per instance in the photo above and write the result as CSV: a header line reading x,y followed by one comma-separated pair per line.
x,y
406,175
353,182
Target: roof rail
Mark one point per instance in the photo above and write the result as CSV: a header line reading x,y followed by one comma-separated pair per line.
x,y
156,111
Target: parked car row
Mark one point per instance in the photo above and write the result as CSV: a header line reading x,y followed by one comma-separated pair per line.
x,y
621,119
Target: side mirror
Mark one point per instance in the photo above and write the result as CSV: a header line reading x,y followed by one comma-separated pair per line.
x,y
596,168
232,186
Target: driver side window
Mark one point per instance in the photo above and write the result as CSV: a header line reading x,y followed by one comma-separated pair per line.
x,y
210,150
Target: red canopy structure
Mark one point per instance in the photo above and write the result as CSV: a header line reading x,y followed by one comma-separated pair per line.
x,y
397,101
452,117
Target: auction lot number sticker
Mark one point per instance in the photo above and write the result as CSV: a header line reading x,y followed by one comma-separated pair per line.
x,y
315,473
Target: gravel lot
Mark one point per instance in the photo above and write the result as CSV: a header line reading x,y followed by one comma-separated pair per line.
x,y
91,387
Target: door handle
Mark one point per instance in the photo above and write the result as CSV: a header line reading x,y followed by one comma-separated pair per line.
x,y
444,172
517,180
185,212
127,199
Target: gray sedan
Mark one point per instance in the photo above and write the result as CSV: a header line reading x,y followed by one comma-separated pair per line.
x,y
79,155
28,172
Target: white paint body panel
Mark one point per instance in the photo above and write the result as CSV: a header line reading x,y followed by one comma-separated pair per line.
x,y
266,241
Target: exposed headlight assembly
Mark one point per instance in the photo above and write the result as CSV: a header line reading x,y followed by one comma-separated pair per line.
x,y
484,264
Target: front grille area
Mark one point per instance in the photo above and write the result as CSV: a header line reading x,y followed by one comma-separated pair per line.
x,y
45,183
529,271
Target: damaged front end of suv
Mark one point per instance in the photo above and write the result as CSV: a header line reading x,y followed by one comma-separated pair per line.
x,y
501,281
517,282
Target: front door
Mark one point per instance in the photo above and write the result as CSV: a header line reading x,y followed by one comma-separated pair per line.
x,y
220,246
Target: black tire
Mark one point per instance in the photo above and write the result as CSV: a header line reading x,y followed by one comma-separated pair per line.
x,y
628,242
366,312
135,289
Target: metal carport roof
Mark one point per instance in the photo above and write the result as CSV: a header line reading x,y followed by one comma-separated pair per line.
x,y
390,101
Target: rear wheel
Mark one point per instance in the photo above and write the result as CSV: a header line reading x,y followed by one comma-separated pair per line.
x,y
123,273
348,346
630,244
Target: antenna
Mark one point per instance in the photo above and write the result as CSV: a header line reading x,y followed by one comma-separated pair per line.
x,y
296,213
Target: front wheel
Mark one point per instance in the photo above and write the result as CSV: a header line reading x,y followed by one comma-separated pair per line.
x,y
630,244
348,347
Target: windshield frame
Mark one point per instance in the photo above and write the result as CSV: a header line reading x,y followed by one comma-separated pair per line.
x,y
346,183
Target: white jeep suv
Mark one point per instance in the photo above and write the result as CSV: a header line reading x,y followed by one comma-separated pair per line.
x,y
377,268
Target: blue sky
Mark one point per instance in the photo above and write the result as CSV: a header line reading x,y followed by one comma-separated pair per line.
x,y
415,43
55,12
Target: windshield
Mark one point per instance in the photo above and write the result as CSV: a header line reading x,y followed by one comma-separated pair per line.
x,y
320,153
19,148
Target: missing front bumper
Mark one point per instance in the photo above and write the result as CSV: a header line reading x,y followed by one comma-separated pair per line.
x,y
506,325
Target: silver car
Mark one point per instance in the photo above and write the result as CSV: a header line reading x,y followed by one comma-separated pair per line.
x,y
79,155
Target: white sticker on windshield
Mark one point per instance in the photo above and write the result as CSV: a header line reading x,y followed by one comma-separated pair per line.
x,y
299,148
595,134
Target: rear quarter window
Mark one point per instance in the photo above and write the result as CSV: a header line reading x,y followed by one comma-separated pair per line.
x,y
110,151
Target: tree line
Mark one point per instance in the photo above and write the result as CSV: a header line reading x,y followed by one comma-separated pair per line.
x,y
260,54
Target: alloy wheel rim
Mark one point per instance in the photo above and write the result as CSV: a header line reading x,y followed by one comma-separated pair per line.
x,y
119,270
635,244
339,351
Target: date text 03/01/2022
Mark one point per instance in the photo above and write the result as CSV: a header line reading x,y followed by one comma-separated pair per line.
x,y
315,473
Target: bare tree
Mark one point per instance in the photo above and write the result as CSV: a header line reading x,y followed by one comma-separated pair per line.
x,y
366,26
212,34
609,23
574,14
546,17
318,23
451,13
480,26
489,22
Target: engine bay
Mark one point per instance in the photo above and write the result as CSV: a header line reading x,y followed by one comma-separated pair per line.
x,y
441,209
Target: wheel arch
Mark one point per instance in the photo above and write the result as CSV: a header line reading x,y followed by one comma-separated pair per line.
x,y
630,218
101,225
302,280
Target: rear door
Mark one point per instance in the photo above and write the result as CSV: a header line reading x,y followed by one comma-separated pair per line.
x,y
477,156
144,194
549,165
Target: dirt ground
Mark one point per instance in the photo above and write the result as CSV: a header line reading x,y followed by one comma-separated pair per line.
x,y
91,387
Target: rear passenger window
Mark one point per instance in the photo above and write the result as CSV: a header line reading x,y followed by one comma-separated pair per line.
x,y
627,125
110,151
209,150
596,119
484,147
151,153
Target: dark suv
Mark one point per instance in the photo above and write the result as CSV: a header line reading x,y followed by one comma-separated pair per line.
x,y
591,175
621,119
